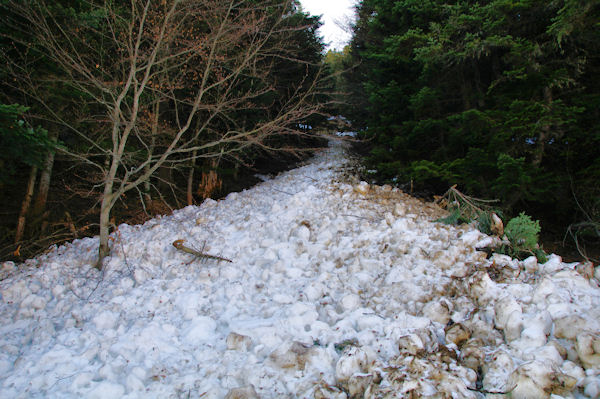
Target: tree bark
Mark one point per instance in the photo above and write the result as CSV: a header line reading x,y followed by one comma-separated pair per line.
x,y
154,132
45,177
25,204
190,181
105,208
103,249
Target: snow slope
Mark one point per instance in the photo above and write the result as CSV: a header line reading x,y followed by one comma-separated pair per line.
x,y
335,290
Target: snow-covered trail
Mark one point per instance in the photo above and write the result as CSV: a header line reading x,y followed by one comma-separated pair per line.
x,y
336,290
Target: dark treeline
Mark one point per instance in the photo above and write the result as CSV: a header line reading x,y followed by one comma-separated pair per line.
x,y
500,97
113,111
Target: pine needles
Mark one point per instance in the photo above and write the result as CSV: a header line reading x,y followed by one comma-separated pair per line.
x,y
519,239
465,209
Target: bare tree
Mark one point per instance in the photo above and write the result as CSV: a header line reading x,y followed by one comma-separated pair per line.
x,y
167,78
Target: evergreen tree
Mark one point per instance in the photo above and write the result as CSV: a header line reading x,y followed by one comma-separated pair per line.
x,y
496,96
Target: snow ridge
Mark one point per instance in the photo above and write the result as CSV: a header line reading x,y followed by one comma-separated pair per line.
x,y
337,289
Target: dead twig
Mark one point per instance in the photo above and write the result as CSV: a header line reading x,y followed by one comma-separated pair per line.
x,y
281,191
179,245
575,230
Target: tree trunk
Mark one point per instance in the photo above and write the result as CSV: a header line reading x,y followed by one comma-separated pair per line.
x,y
190,181
105,208
104,250
154,132
25,204
45,175
147,183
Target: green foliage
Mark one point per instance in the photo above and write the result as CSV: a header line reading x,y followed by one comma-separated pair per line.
x,y
20,142
466,209
499,97
513,176
455,217
523,234
338,62
484,222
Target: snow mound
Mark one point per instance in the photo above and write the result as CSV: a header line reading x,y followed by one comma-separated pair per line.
x,y
338,289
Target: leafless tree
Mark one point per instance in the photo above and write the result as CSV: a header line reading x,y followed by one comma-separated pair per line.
x,y
166,78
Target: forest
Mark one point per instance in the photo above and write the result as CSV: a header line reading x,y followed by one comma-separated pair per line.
x,y
112,112
500,98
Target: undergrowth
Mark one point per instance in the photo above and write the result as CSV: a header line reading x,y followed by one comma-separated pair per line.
x,y
519,237
523,234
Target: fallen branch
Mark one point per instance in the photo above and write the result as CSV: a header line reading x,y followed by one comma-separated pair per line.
x,y
464,208
179,245
576,229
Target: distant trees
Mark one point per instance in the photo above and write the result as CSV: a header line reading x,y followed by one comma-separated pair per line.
x,y
338,64
25,144
164,83
497,96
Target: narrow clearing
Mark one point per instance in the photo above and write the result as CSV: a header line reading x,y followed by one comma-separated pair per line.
x,y
335,290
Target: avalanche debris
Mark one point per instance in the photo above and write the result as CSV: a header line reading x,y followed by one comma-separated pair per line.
x,y
337,289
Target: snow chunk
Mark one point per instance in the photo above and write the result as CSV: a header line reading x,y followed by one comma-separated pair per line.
x,y
553,264
140,275
497,371
283,299
134,384
82,380
354,360
592,387
588,349
106,390
350,302
471,238
573,370
537,380
189,304
482,288
438,311
314,291
201,329
548,354
106,320
301,232
362,188
8,267
34,301
238,342
530,264
570,326
531,337
15,292
242,393
504,309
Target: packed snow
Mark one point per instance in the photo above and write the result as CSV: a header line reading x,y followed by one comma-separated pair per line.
x,y
337,289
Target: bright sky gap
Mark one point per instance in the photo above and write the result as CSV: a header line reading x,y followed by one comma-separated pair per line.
x,y
336,15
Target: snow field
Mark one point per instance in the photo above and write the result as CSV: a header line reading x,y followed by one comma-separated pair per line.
x,y
337,289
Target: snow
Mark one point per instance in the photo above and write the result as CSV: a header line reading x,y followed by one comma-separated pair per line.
x,y
337,289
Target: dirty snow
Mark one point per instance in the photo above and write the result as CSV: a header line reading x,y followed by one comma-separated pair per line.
x,y
337,289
